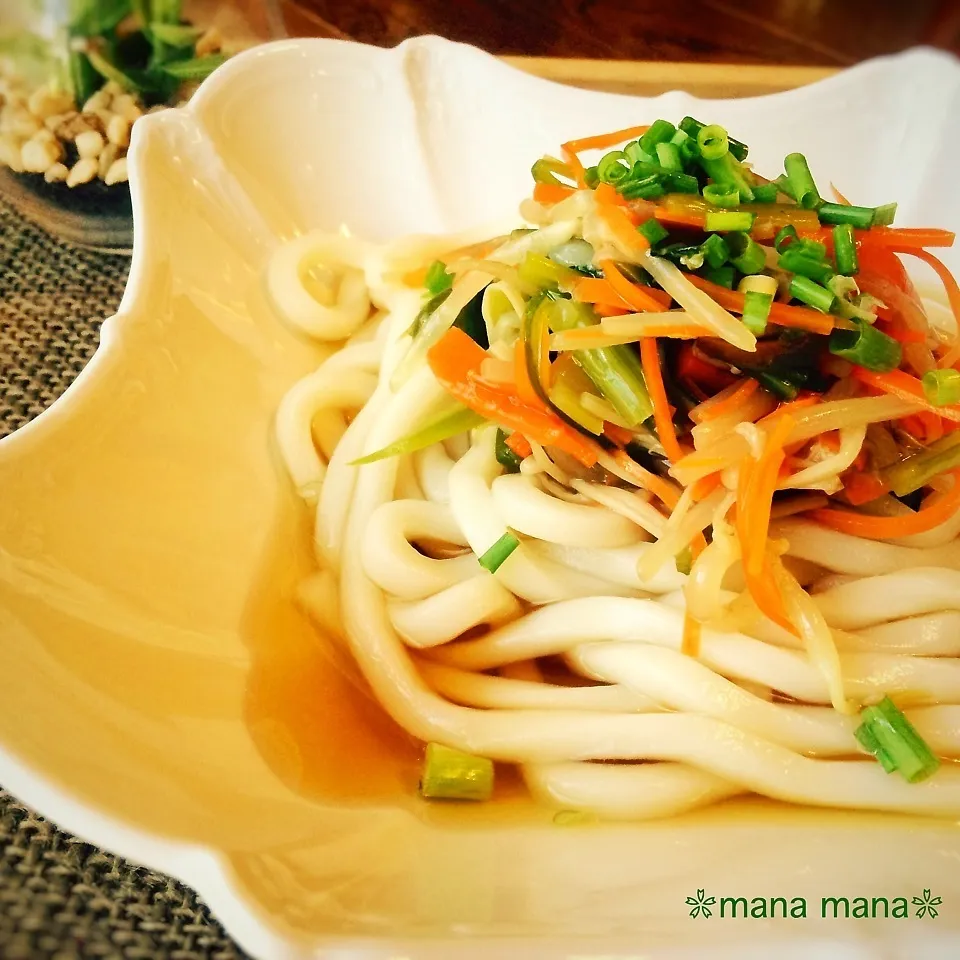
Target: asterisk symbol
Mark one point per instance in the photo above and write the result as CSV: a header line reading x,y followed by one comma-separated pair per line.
x,y
701,904
927,904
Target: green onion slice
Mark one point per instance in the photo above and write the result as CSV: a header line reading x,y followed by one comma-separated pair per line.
x,y
942,387
437,279
669,156
614,167
756,310
892,739
765,193
653,231
721,195
845,250
786,235
814,295
715,250
797,262
728,220
693,127
865,346
493,558
884,215
713,141
801,181
859,217
745,253
506,457
659,132
449,774
451,425
918,470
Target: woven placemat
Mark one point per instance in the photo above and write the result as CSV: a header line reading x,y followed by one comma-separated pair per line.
x,y
61,898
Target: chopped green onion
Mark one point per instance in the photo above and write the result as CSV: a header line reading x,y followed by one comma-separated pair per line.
x,y
727,220
842,286
745,253
493,558
715,250
721,276
810,248
110,71
669,156
682,254
918,470
591,177
540,271
693,127
659,132
756,310
712,141
865,346
449,774
684,561
785,236
811,293
726,170
845,250
797,262
721,195
452,425
884,215
859,217
778,386
506,457
765,193
438,279
682,183
636,154
613,167
653,231
649,188
546,168
615,371
174,34
573,818
783,185
893,740
801,181
942,387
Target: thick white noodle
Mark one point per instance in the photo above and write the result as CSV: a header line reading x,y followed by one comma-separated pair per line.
x,y
399,541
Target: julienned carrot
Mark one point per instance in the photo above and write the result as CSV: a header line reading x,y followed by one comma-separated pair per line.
x,y
904,386
706,485
677,218
862,487
662,414
601,292
603,140
619,435
551,192
519,444
890,528
631,293
906,239
690,643
455,361
644,478
746,389
606,195
840,197
621,226
801,318
948,280
761,493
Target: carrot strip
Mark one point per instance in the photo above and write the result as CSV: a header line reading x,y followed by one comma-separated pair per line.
x,y
603,140
728,404
949,282
599,291
606,195
519,444
903,385
636,296
644,478
619,435
862,487
662,414
623,229
926,518
703,487
906,239
801,318
455,360
678,218
551,192
840,197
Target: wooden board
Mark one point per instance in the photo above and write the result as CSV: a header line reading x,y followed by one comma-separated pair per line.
x,y
649,78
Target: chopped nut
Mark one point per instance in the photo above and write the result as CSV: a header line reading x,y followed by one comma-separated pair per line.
x,y
83,171
99,101
56,173
45,102
118,131
58,119
117,172
78,123
112,89
10,152
210,42
89,144
127,106
110,153
20,123
41,151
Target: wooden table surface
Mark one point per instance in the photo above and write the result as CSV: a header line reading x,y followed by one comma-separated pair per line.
x,y
817,33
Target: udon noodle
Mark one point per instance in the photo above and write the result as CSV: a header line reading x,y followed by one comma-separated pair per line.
x,y
588,643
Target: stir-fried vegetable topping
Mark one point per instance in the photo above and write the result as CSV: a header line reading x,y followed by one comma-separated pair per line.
x,y
680,324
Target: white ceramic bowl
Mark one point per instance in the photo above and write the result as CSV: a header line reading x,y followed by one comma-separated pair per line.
x,y
160,692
